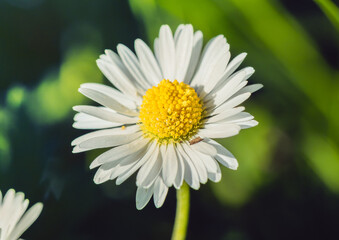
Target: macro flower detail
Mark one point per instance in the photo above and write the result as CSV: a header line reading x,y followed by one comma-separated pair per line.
x,y
170,112
165,109
13,219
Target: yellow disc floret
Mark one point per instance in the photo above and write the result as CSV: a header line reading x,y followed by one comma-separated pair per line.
x,y
170,112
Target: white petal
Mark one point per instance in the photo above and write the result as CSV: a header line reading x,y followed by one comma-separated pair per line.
x,y
18,208
248,124
178,32
249,89
106,132
111,170
148,63
190,173
127,163
160,192
104,172
133,66
179,178
236,89
143,196
153,150
183,51
106,114
8,198
240,117
229,87
215,177
83,117
157,54
102,176
199,165
149,172
220,117
215,86
5,209
224,156
195,56
106,141
107,101
213,82
211,166
244,74
123,99
166,52
219,130
113,57
234,84
204,148
170,165
213,61
27,220
233,102
119,152
85,121
234,64
117,77
221,99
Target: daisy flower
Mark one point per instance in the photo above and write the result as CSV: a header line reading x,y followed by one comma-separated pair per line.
x,y
165,109
13,219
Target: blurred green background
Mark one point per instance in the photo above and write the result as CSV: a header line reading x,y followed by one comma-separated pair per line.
x,y
287,184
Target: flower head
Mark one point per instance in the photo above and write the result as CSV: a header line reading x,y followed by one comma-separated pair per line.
x,y
170,112
164,112
13,219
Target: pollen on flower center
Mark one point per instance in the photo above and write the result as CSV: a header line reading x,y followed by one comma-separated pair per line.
x,y
171,112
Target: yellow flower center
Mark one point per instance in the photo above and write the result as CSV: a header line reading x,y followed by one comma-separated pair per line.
x,y
171,112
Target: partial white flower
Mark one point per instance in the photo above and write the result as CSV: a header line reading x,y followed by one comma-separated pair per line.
x,y
13,219
164,112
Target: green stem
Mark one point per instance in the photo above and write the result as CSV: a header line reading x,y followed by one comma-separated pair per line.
x,y
182,212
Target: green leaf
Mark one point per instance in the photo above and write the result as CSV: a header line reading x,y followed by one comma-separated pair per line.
x,y
323,157
330,10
